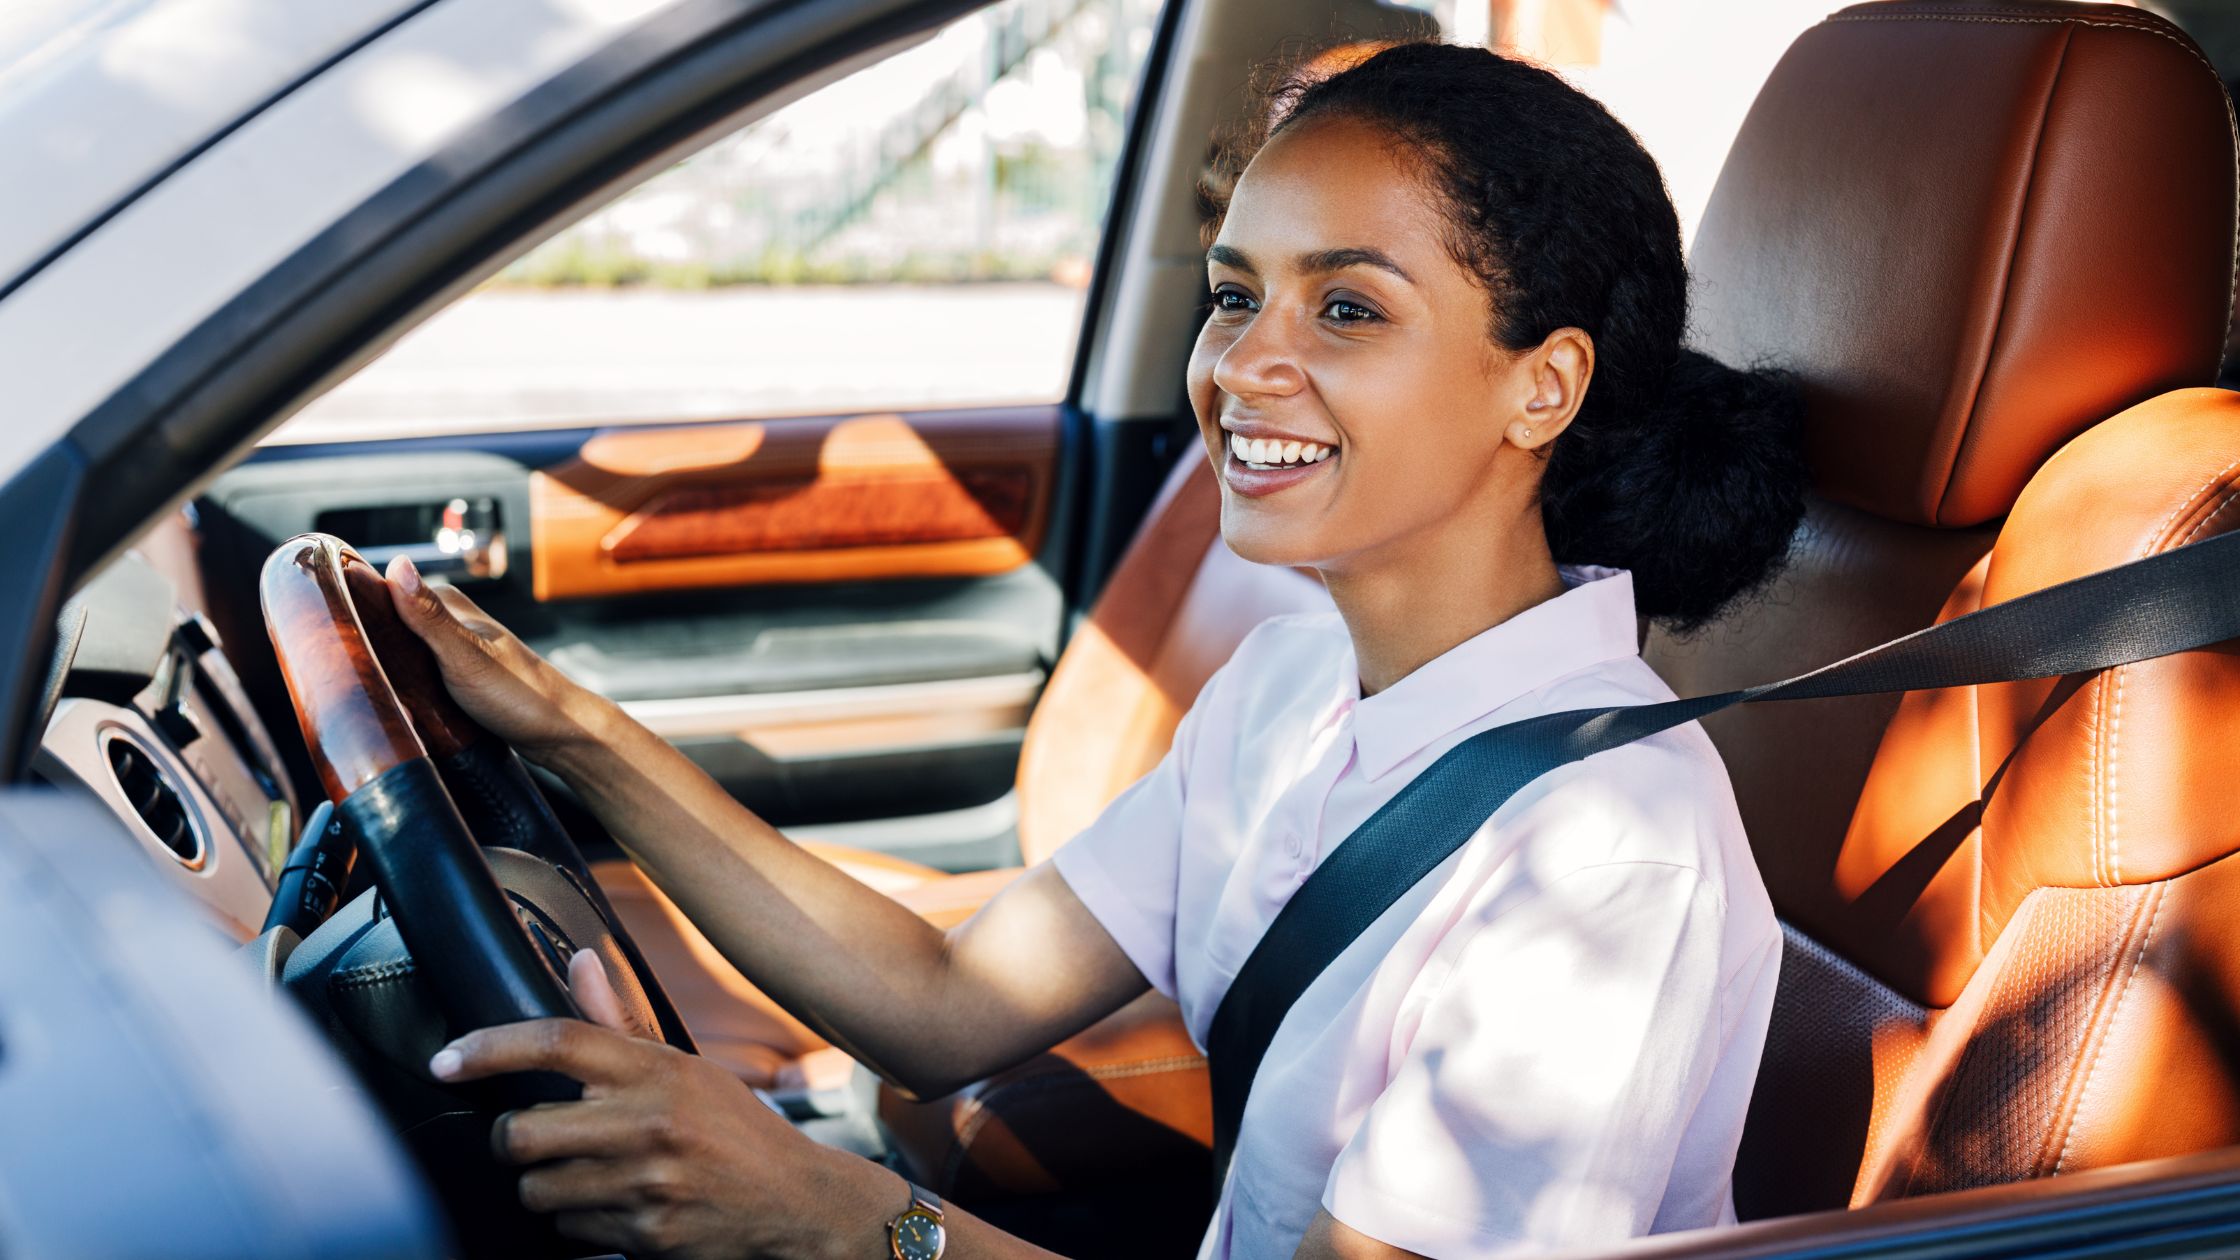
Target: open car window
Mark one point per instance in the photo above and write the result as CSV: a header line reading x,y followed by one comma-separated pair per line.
x,y
917,235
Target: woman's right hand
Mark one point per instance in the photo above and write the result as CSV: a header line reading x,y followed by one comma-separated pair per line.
x,y
516,694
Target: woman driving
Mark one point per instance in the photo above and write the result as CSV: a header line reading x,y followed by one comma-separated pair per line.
x,y
1443,369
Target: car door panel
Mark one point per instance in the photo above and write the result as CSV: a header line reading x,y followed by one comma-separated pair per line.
x,y
845,620
936,494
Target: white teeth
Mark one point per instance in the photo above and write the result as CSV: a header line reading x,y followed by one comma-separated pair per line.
x,y
1277,452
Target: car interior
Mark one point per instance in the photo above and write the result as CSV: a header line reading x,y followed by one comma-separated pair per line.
x,y
1996,241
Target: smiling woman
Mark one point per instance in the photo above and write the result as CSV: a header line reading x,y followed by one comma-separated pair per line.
x,y
1442,369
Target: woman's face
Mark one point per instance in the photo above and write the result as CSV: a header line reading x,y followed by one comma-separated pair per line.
x,y
1345,383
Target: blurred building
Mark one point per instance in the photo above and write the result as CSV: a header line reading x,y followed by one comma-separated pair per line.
x,y
984,153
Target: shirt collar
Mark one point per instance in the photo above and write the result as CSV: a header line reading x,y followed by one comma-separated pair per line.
x,y
1591,622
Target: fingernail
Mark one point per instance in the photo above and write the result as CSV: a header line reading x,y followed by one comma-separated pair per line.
x,y
408,574
446,1063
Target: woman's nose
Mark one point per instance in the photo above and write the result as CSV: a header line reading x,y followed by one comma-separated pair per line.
x,y
1262,360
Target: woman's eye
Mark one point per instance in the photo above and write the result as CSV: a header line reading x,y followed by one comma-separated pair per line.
x,y
1222,301
1350,312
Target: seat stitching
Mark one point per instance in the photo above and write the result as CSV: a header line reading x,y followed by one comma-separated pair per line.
x,y
2092,1067
2106,870
368,977
1178,1063
2156,29
2104,797
2143,22
1073,1074
2203,523
2111,787
2096,812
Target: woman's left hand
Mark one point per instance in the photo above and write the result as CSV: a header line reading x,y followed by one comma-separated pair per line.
x,y
667,1154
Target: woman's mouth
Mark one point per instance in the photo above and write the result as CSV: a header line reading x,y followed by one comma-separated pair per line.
x,y
1258,466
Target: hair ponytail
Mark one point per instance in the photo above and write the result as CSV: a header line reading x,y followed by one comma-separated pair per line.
x,y
1697,493
1679,468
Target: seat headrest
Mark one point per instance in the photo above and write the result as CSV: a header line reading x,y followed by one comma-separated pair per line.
x,y
1974,230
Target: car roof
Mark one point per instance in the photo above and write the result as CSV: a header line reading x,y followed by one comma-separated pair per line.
x,y
99,99
210,139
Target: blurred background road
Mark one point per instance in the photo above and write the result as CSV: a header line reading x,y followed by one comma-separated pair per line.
x,y
519,358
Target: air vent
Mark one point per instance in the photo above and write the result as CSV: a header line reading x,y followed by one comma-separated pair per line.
x,y
155,801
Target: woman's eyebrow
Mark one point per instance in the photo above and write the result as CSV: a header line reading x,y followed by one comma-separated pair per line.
x,y
1320,260
1229,257
1350,256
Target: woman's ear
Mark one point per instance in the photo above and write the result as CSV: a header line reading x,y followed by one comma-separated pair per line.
x,y
1556,373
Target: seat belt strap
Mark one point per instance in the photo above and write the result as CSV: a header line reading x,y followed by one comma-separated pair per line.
x,y
2184,598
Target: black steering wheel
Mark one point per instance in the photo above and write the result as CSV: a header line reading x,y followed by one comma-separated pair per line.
x,y
423,789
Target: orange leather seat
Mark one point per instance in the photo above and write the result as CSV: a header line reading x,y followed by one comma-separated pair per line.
x,y
1176,606
1978,231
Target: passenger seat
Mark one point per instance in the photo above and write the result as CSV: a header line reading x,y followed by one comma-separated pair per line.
x,y
1978,231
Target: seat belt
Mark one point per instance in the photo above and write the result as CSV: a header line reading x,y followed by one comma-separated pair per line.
x,y
2180,599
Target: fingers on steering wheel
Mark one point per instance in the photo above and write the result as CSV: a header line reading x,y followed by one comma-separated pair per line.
x,y
571,1047
549,1131
575,1185
605,1227
594,992
417,602
445,620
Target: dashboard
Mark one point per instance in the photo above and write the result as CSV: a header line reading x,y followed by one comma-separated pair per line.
x,y
145,713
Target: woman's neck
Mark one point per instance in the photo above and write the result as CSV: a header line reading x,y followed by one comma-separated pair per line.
x,y
1406,608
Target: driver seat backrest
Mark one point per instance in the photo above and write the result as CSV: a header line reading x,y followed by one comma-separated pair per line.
x,y
1175,608
1977,231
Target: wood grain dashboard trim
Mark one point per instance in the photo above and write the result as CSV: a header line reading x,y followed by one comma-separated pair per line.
x,y
827,499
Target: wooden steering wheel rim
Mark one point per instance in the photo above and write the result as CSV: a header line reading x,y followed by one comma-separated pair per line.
x,y
354,669
353,721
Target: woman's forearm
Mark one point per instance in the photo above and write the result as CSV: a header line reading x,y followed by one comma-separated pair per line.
x,y
925,1009
928,1010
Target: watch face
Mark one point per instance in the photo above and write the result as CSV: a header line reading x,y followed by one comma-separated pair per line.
x,y
918,1236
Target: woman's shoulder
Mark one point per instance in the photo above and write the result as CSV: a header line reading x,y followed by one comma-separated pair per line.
x,y
1664,799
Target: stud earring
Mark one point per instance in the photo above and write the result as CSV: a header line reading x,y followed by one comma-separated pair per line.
x,y
1528,433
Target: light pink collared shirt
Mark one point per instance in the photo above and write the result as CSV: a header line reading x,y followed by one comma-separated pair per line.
x,y
1551,1040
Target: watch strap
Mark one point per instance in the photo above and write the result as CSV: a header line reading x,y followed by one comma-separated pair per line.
x,y
920,1194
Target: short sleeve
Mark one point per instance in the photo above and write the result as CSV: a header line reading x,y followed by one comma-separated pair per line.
x,y
1546,1094
1126,865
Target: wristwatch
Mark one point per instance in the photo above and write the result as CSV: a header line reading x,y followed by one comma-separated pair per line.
x,y
918,1233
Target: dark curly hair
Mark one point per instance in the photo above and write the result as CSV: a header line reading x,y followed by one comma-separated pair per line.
x,y
1679,468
